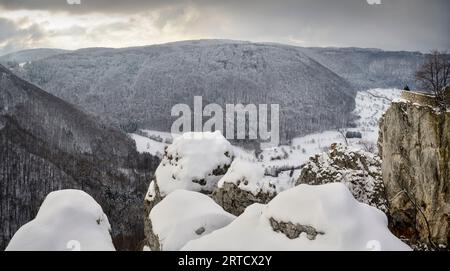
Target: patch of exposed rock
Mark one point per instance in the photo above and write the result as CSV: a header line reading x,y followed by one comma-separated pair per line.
x,y
360,171
242,185
234,199
292,230
152,198
414,144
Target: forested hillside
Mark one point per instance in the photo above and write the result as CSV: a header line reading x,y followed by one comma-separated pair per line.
x,y
47,144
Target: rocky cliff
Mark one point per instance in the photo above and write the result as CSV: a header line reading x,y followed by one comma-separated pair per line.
x,y
414,144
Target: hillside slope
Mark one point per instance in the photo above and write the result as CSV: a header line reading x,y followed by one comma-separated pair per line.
x,y
29,55
140,85
47,144
370,68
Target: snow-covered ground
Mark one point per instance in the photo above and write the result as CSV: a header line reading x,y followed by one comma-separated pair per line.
x,y
369,108
148,145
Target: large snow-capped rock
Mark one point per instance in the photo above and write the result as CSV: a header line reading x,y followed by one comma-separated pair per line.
x,y
359,170
195,161
306,217
67,220
183,216
242,185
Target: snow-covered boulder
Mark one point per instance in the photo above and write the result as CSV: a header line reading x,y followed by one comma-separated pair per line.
x,y
67,220
359,170
183,216
195,161
306,217
242,185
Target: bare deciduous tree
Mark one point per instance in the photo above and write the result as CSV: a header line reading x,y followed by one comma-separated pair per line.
x,y
434,74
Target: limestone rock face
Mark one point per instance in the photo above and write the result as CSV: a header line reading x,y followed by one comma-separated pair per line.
x,y
244,183
360,171
292,230
447,96
414,144
234,199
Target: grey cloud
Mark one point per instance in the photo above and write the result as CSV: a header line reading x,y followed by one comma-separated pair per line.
x,y
7,30
395,24
120,6
13,38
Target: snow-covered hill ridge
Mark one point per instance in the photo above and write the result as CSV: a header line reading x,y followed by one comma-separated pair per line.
x,y
140,85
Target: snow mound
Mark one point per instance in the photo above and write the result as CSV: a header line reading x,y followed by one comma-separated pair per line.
x,y
183,216
248,176
359,170
194,161
243,185
306,217
67,220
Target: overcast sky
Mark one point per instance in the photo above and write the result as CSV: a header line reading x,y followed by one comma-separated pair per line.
x,y
393,25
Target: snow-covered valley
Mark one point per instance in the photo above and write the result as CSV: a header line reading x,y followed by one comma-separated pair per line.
x,y
264,127
282,164
210,195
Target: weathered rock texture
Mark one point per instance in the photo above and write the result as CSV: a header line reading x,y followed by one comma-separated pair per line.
x,y
152,198
447,96
360,171
420,98
234,199
414,144
292,230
